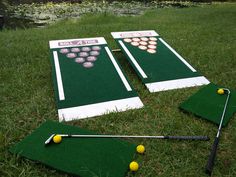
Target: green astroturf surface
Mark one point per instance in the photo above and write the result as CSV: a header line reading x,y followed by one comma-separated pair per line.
x,y
162,66
83,86
87,157
209,105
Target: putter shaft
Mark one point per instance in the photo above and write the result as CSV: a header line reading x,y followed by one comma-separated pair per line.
x,y
203,138
211,159
223,114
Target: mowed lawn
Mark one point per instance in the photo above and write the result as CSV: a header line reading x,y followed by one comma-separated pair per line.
x,y
205,36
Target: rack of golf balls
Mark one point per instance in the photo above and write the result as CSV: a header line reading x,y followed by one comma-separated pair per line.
x,y
86,56
144,43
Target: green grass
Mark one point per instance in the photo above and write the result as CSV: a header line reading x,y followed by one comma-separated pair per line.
x,y
205,36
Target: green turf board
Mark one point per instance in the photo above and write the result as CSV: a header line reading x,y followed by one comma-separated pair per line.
x,y
158,65
209,105
85,157
88,81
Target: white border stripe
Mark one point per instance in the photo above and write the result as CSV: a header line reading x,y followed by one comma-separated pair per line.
x,y
58,75
180,57
133,60
91,110
125,82
176,84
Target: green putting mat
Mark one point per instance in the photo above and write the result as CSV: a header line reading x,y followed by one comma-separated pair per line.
x,y
88,81
86,157
158,65
208,104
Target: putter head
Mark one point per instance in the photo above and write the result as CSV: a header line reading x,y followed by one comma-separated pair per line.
x,y
49,140
223,91
227,90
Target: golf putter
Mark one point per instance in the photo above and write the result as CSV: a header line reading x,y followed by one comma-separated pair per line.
x,y
211,159
202,138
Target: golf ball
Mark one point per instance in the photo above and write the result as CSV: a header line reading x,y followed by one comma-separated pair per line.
x,y
79,60
71,55
144,38
153,39
75,49
96,48
135,39
133,166
88,64
83,54
91,58
143,43
134,43
220,91
151,51
140,149
94,53
64,51
57,139
127,40
152,47
152,42
142,47
85,49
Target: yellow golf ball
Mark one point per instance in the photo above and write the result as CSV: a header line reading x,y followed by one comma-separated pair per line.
x,y
220,91
133,166
140,149
57,139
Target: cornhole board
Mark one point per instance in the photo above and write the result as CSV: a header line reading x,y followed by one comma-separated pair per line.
x,y
209,105
85,157
88,81
158,65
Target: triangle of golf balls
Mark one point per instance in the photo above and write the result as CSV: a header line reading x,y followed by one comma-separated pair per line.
x,y
86,56
148,44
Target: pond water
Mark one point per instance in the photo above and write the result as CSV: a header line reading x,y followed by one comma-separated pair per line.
x,y
41,14
9,21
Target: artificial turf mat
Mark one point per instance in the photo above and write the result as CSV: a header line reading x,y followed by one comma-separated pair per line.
x,y
85,157
209,105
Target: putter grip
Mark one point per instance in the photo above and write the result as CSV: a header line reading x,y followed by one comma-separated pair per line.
x,y
204,138
211,159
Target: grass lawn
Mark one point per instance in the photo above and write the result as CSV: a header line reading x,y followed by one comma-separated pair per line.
x,y
205,36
